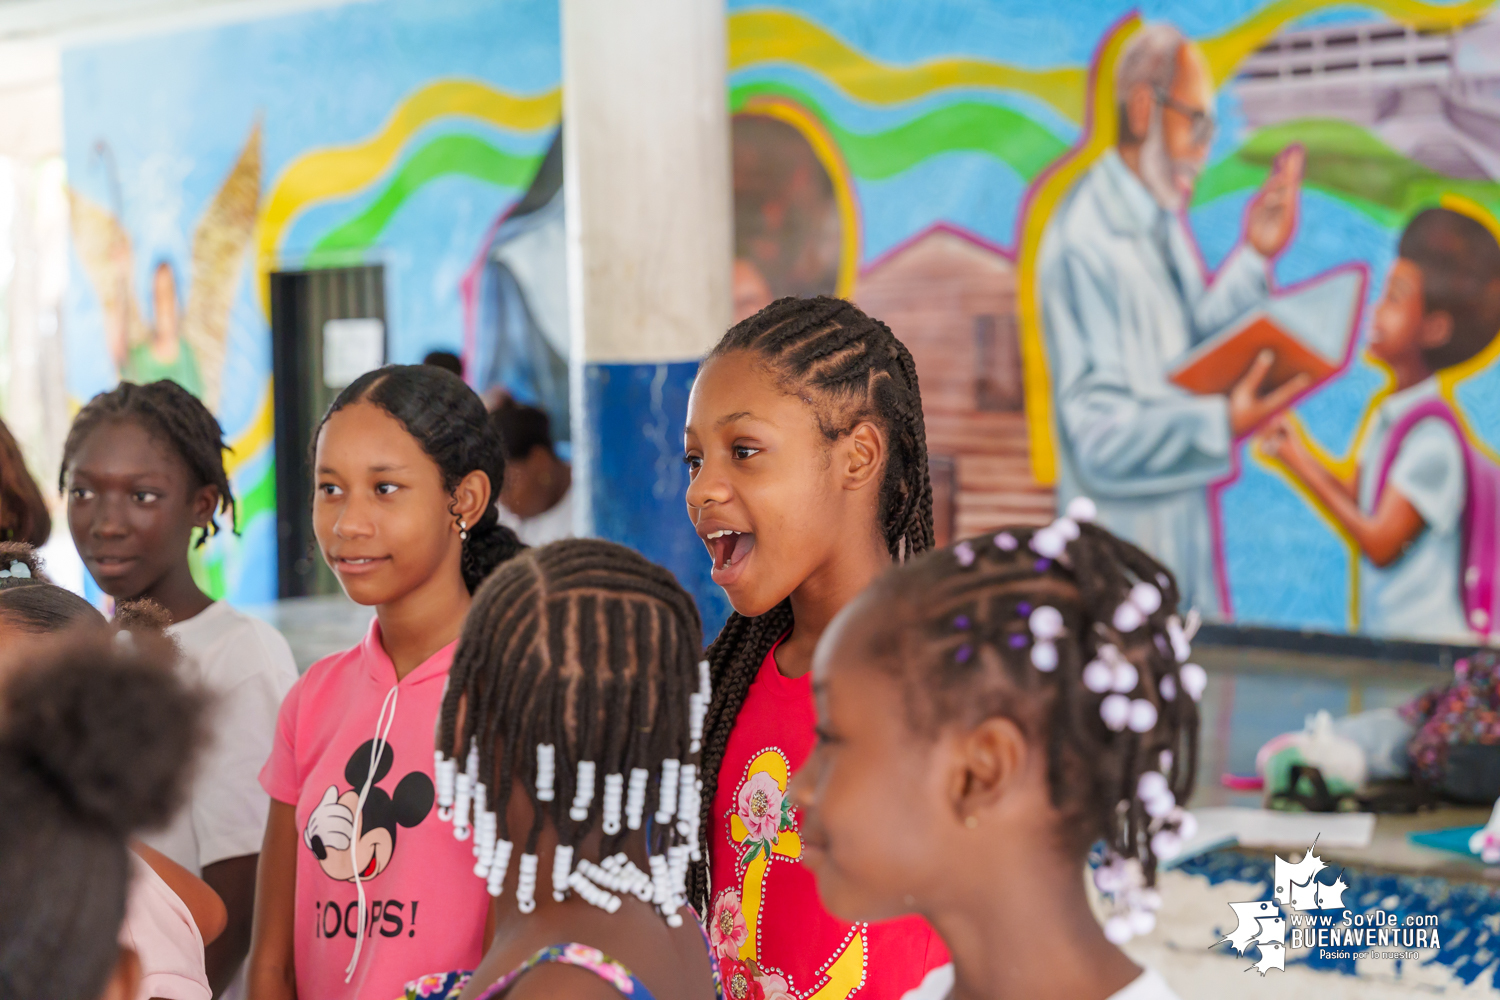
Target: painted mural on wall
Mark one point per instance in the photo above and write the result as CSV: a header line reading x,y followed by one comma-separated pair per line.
x,y
1230,270
380,133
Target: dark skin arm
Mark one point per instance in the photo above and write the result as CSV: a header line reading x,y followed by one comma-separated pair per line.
x,y
205,905
234,881
272,974
1382,535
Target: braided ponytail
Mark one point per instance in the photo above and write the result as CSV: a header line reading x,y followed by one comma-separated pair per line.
x,y
856,369
450,423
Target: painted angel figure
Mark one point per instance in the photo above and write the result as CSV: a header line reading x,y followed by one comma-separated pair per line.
x,y
188,346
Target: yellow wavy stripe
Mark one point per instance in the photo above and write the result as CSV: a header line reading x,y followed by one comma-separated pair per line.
x,y
762,36
334,171
827,152
1226,51
256,436
1044,200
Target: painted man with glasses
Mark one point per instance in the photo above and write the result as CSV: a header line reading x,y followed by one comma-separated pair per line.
x,y
1124,296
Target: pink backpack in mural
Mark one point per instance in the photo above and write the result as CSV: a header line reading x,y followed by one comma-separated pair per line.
x,y
1481,517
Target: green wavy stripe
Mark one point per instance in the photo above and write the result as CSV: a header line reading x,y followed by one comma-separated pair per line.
x,y
1345,162
967,126
445,156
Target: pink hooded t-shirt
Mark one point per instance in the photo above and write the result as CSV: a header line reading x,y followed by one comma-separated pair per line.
x,y
424,908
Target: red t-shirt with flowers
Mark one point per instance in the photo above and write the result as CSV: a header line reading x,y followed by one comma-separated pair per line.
x,y
774,939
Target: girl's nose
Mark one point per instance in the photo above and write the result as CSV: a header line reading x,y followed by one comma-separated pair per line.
x,y
707,487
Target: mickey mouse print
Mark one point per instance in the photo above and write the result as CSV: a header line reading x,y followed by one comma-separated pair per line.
x,y
331,830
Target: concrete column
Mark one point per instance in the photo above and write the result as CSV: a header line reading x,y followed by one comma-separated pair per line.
x,y
650,246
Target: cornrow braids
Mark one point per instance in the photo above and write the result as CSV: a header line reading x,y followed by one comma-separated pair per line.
x,y
851,368
586,648
176,417
449,421
1073,633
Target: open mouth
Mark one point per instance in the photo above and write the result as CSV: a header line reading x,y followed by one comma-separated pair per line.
x,y
729,550
369,868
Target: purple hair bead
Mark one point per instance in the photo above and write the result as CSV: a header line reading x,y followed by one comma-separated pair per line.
x,y
964,652
1017,641
964,554
1042,565
961,622
1024,608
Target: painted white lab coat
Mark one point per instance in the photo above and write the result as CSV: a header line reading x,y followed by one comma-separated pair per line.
x,y
1116,321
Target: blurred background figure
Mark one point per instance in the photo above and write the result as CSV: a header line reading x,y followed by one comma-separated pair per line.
x,y
23,513
537,498
447,360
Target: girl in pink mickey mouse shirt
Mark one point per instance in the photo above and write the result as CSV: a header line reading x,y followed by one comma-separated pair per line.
x,y
361,888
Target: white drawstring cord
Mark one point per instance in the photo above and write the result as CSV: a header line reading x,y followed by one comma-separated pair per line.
x,y
380,744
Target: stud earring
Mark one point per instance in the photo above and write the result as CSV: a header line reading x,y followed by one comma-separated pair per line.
x,y
972,822
463,530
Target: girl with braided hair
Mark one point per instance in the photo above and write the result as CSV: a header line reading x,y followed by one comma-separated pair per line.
x,y
406,466
567,755
808,460
143,471
986,714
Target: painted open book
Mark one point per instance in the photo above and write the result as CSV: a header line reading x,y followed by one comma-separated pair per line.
x,y
1310,326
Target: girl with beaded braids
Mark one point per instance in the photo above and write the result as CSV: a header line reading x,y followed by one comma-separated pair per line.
x,y
808,460
566,757
406,466
986,714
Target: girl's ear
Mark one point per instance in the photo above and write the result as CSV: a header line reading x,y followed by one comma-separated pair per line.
x,y
991,764
205,501
471,497
1436,330
864,455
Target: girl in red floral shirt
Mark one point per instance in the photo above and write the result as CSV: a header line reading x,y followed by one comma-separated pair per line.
x,y
808,461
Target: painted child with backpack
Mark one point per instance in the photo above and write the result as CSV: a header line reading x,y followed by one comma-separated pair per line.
x,y
1421,503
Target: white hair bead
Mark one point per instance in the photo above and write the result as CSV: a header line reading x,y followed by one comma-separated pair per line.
x,y
1151,784
526,885
1146,598
1193,680
1128,618
661,880
1142,716
562,866
1115,711
445,777
1044,656
1082,509
667,805
1049,543
687,802
1168,688
546,771
1166,845
635,802
499,867
1006,542
592,894
461,797
1067,527
1125,676
583,793
614,792
1046,622
1098,676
